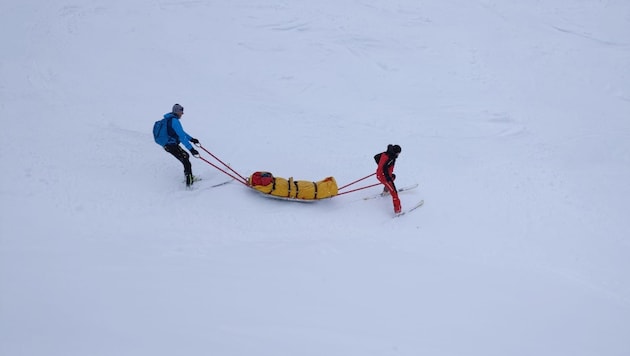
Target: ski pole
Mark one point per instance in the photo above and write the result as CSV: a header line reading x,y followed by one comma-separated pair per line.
x,y
357,181
215,157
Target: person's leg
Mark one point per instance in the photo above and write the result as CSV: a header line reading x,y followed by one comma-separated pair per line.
x,y
391,188
184,158
385,191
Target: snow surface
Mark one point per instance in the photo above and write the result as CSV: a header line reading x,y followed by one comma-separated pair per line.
x,y
514,118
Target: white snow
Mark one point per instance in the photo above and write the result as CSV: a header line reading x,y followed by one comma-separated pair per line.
x,y
513,116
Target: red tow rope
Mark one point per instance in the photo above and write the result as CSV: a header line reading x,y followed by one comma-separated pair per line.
x,y
240,178
357,181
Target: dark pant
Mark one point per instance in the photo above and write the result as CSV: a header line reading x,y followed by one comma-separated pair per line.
x,y
181,155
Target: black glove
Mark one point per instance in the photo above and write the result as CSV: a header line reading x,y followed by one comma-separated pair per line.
x,y
194,152
194,140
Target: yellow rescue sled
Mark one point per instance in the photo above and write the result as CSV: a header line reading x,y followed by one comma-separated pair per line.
x,y
290,189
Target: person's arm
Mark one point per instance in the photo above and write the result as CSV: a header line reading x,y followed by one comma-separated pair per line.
x,y
184,138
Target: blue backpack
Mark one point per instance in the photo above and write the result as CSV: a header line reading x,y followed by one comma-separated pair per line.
x,y
162,131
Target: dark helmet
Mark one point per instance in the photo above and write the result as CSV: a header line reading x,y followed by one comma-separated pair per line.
x,y
394,149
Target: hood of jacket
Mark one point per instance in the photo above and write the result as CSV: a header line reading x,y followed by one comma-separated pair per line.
x,y
170,115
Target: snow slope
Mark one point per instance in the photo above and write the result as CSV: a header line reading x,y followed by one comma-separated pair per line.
x,y
513,117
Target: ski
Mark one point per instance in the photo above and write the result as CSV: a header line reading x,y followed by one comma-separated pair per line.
x,y
222,183
195,179
386,194
418,204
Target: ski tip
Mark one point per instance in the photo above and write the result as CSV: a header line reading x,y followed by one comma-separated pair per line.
x,y
419,204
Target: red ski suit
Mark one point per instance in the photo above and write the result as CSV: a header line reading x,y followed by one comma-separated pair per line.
x,y
385,175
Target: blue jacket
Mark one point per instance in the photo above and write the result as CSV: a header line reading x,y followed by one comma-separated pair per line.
x,y
182,136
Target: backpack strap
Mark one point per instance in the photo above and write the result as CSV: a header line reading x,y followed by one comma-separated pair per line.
x,y
169,129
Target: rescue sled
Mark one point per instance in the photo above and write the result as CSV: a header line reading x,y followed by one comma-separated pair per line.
x,y
290,189
287,189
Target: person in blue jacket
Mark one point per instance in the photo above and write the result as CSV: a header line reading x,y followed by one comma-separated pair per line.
x,y
180,136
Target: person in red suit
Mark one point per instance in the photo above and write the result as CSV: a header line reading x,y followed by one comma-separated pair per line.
x,y
385,173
